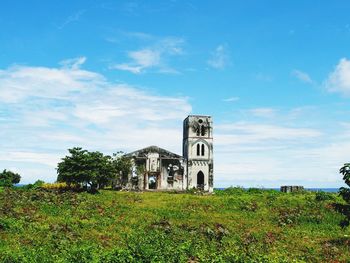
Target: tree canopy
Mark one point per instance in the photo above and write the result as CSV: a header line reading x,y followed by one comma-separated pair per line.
x,y
8,178
91,168
344,192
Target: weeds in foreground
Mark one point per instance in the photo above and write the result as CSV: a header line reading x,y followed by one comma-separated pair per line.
x,y
233,225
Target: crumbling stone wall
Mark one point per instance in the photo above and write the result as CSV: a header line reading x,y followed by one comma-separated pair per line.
x,y
291,188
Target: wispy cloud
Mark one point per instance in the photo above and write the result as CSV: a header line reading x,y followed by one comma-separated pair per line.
x,y
263,77
302,76
339,79
140,35
153,57
73,63
72,18
231,99
220,58
263,112
141,60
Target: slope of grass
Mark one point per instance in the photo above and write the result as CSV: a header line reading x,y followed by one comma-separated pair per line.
x,y
229,226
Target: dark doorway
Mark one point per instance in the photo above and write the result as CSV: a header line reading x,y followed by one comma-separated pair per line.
x,y
152,182
200,180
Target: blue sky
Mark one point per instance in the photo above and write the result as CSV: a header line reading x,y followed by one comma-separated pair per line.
x,y
121,75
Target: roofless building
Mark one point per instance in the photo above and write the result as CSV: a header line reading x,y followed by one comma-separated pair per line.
x,y
159,169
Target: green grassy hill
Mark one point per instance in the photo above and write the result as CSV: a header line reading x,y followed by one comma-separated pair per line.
x,y
229,226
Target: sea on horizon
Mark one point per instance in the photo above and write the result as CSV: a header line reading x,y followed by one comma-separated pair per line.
x,y
329,190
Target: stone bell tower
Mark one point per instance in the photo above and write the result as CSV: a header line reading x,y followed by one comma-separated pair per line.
x,y
198,151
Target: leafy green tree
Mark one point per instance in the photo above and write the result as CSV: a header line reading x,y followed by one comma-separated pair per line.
x,y
345,194
122,166
82,167
8,178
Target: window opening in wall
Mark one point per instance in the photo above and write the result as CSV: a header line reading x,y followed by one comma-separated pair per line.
x,y
198,150
203,149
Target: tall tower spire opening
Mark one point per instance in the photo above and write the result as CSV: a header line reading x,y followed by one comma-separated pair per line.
x,y
198,151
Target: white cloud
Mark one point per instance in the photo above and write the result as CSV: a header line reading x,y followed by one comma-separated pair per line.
x,y
339,79
153,57
253,154
20,82
45,111
220,58
253,133
32,157
146,57
302,76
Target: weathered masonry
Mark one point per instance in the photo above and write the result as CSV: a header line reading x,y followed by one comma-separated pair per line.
x,y
158,169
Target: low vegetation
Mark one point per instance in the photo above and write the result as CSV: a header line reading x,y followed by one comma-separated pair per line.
x,y
43,224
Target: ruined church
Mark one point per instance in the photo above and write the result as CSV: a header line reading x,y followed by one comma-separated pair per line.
x,y
158,169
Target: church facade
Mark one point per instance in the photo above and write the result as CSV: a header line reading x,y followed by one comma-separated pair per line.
x,y
155,168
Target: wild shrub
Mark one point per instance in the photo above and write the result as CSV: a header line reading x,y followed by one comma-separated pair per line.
x,y
118,255
134,198
162,224
330,251
216,232
323,196
237,190
254,190
4,224
81,254
8,257
271,199
249,242
301,192
251,206
36,185
61,187
270,238
288,216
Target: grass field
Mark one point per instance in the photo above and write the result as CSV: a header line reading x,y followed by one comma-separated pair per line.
x,y
229,226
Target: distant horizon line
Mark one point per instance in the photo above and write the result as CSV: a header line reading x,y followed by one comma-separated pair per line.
x,y
260,187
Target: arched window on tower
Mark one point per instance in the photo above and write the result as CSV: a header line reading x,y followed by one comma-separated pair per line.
x,y
203,149
202,130
198,150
